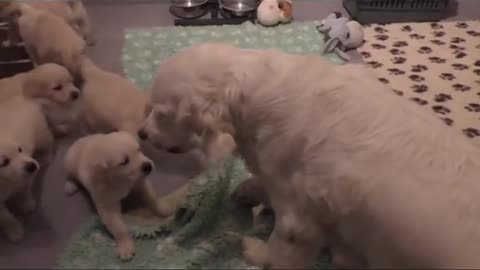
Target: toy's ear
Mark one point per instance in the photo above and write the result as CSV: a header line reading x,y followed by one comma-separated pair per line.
x,y
331,45
322,28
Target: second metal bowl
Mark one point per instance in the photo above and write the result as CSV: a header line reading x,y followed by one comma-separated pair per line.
x,y
188,3
238,7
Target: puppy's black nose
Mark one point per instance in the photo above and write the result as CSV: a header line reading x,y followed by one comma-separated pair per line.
x,y
147,167
30,167
74,95
142,135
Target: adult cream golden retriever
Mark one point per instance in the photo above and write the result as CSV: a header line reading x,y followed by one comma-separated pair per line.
x,y
346,163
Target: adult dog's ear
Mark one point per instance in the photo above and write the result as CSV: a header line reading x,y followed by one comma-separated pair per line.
x,y
148,109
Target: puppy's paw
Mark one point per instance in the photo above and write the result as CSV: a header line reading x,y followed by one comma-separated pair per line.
x,y
126,249
28,206
14,232
255,251
70,188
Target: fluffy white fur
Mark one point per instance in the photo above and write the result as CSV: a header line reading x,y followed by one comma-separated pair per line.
x,y
346,163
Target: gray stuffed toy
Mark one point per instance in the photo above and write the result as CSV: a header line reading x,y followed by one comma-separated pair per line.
x,y
341,34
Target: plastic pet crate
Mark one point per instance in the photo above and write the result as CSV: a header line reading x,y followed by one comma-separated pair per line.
x,y
389,11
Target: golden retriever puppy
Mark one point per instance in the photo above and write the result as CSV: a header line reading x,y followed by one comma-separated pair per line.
x,y
73,12
110,167
112,103
52,87
24,135
48,38
346,163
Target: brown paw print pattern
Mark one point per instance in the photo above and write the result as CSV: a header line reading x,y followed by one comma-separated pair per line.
x,y
434,65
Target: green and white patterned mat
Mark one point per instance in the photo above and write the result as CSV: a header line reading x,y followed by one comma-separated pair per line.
x,y
146,49
200,236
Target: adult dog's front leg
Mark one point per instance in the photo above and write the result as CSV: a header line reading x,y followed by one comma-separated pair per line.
x,y
147,193
111,217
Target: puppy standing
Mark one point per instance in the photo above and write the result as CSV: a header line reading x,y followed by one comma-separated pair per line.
x,y
24,135
51,86
112,103
73,12
110,167
48,38
346,164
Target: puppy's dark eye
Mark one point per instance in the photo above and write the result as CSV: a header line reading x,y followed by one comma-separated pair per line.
x,y
20,150
125,161
58,87
5,162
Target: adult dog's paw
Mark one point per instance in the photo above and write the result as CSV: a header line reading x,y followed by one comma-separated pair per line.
x,y
126,249
255,251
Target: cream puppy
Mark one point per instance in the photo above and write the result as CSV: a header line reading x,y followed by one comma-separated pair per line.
x,y
52,87
73,12
24,135
346,163
110,167
48,38
112,103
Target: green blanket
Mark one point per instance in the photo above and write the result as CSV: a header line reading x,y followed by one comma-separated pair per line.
x,y
204,232
146,49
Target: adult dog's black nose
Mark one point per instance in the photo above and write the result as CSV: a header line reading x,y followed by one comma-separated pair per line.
x,y
142,135
147,167
30,167
74,95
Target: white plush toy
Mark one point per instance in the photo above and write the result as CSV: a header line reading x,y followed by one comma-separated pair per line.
x,y
273,12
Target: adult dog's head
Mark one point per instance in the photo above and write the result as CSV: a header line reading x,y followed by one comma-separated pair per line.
x,y
190,99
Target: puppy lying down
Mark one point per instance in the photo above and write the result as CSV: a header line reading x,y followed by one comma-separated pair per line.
x,y
346,163
110,167
24,134
50,86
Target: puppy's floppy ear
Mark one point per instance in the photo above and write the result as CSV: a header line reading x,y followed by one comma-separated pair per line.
x,y
32,88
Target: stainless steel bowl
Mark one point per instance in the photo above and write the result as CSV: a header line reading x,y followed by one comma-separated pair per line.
x,y
188,3
238,7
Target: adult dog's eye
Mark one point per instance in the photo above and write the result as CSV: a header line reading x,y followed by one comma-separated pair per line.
x,y
5,162
125,161
58,87
20,150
